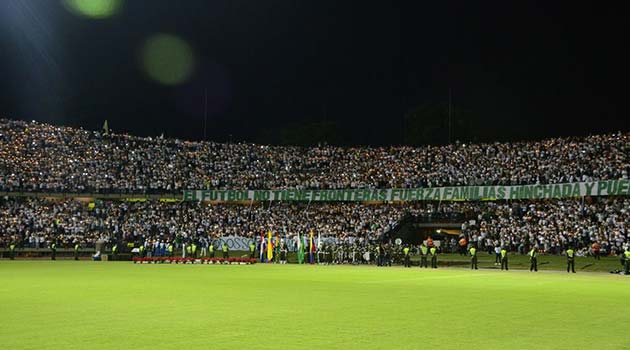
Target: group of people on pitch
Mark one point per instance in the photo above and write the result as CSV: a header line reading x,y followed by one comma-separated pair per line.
x,y
533,258
427,249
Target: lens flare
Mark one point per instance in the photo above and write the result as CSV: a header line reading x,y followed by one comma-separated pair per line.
x,y
97,9
168,59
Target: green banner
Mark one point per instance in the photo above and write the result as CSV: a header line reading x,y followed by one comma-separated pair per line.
x,y
460,193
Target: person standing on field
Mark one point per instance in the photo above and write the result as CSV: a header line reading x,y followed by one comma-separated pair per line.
x,y
284,251
570,260
626,264
12,251
533,259
225,249
424,251
53,251
252,249
497,254
193,249
504,259
407,257
204,246
595,247
188,250
433,252
473,258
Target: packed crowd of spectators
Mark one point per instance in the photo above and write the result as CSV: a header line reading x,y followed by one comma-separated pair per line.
x,y
552,225
38,222
39,157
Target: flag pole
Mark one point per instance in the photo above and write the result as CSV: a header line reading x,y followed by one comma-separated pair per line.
x,y
205,113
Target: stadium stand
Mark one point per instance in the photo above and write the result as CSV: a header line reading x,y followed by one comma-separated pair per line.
x,y
42,159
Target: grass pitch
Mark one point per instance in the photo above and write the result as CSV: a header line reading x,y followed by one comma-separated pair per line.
x,y
119,305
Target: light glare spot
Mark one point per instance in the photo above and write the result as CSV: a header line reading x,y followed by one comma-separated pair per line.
x,y
97,9
168,59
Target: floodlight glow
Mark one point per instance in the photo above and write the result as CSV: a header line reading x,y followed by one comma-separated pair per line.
x,y
97,9
168,59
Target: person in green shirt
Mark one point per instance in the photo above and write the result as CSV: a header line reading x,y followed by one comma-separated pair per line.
x,y
504,259
12,251
211,249
194,250
407,256
424,251
76,251
473,258
433,252
170,249
533,260
570,260
225,249
626,264
252,249
53,251
115,251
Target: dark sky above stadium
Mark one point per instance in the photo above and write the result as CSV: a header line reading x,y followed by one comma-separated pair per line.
x,y
526,69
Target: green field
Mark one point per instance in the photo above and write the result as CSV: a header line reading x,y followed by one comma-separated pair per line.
x,y
119,305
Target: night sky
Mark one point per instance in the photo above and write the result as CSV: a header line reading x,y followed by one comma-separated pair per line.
x,y
524,70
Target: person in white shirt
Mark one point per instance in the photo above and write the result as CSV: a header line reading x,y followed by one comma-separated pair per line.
x,y
497,254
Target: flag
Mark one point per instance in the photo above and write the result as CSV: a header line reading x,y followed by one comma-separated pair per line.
x,y
269,247
105,128
311,249
262,248
300,252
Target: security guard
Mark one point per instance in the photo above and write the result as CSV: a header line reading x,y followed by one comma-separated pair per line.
x,y
188,251
504,259
570,260
252,249
211,249
141,249
433,252
76,251
53,251
423,255
170,249
473,258
12,251
194,250
626,256
533,259
407,256
226,255
115,251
